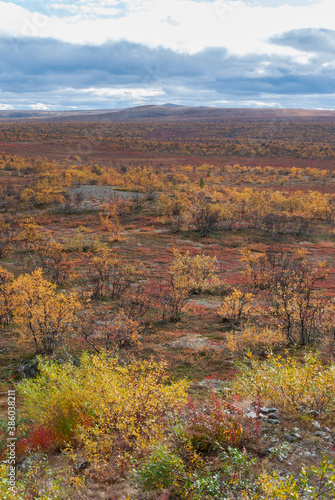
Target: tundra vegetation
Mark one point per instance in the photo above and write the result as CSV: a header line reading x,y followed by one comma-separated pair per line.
x,y
167,310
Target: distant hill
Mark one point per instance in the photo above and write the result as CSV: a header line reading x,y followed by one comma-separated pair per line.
x,y
171,105
171,112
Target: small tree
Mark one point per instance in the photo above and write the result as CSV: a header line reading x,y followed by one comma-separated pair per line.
x,y
188,275
137,301
41,314
30,233
52,258
6,296
236,306
104,329
171,299
111,275
205,213
111,223
291,286
6,235
197,273
173,210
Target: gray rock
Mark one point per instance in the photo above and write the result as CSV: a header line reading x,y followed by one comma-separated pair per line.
x,y
296,435
265,409
28,462
316,424
273,420
218,385
288,438
320,434
82,466
29,368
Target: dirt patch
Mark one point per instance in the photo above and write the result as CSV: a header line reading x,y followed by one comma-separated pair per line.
x,y
212,304
193,341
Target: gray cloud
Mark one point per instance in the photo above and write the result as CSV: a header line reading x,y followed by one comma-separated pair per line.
x,y
309,40
59,74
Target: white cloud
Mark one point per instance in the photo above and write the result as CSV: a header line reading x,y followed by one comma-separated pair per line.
x,y
122,92
262,104
130,95
184,25
40,107
247,103
4,107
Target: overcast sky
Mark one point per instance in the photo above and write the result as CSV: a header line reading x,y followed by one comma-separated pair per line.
x,y
102,54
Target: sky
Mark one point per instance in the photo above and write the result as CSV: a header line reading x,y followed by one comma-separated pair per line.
x,y
105,54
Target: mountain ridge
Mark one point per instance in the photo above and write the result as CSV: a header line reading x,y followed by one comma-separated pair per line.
x,y
169,112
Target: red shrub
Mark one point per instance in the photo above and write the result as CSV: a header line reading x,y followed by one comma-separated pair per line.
x,y
213,424
43,439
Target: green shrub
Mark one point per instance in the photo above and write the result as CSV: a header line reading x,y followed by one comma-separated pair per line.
x,y
161,470
39,482
225,483
314,483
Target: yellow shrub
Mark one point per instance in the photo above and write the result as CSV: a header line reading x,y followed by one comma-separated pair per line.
x,y
255,340
289,384
236,306
41,314
108,407
198,274
317,482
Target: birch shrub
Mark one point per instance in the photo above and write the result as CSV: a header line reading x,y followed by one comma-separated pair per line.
x,y
289,384
105,407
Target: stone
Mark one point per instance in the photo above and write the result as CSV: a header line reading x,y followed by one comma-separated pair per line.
x,y
316,424
265,409
28,368
320,434
273,420
288,438
82,465
296,435
28,462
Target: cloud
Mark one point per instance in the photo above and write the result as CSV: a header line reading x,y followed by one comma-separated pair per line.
x,y
60,74
243,27
309,40
87,9
4,107
40,107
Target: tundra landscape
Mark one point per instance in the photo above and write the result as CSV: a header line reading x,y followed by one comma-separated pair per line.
x,y
167,304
